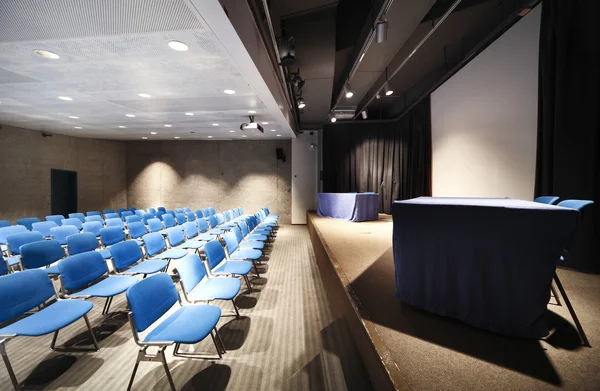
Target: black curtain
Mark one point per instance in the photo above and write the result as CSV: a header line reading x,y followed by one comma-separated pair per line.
x,y
390,158
568,151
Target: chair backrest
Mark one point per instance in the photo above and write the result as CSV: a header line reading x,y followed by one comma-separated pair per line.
x,y
15,241
61,233
180,217
154,225
150,299
105,211
80,270
94,213
132,209
111,216
40,254
187,209
238,234
214,253
244,228
175,236
3,265
212,221
154,243
178,210
78,215
97,218
139,213
126,214
146,217
169,220
152,211
120,211
31,287
550,200
190,229
583,206
115,222
202,225
125,254
56,218
171,212
137,229
199,213
212,211
44,227
4,223
162,209
27,222
231,242
191,271
220,218
159,215
81,243
74,221
227,215
93,227
190,216
205,212
111,235
132,219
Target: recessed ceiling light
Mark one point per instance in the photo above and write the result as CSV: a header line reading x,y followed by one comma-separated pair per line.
x,y
144,138
145,95
209,136
176,137
252,111
215,124
122,127
265,123
78,127
189,113
64,98
179,46
72,116
278,135
153,133
229,92
232,131
243,135
273,130
168,126
47,54
130,115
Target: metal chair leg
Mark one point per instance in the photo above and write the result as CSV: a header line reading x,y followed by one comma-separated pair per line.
x,y
572,311
220,341
255,269
166,366
248,283
107,305
9,368
237,313
89,326
137,364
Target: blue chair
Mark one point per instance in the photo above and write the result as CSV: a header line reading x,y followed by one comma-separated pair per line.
x,y
84,242
152,211
203,228
127,258
44,227
236,253
162,209
132,219
4,266
199,213
120,211
154,225
178,210
74,221
115,222
159,215
205,212
137,230
95,218
219,265
93,213
187,209
56,218
126,214
198,286
79,216
86,275
149,300
9,262
139,213
180,218
111,235
146,217
93,227
15,241
105,211
132,209
60,234
550,200
227,215
247,244
169,220
190,216
244,227
157,248
171,212
27,222
175,237
4,223
34,288
42,255
112,216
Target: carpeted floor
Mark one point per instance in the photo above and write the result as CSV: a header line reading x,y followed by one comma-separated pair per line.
x,y
436,353
285,340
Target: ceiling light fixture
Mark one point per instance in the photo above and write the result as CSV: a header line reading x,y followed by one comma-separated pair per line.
x,y
47,54
232,131
332,118
229,92
265,123
209,136
145,95
176,137
278,135
381,31
273,130
78,127
251,111
153,133
348,91
65,98
244,136
179,46
122,127
168,126
130,115
377,96
144,138
301,103
364,114
72,116
189,113
215,124
388,90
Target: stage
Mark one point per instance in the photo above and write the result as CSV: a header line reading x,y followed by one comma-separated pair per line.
x,y
406,348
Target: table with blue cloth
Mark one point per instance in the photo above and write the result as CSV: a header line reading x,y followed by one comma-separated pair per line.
x,y
488,262
348,206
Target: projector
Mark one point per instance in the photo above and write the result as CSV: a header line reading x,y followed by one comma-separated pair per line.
x,y
251,125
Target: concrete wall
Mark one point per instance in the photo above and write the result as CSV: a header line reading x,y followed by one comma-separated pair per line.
x,y
305,175
25,162
222,174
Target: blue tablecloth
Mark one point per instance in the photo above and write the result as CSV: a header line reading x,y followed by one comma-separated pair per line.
x,y
348,206
487,262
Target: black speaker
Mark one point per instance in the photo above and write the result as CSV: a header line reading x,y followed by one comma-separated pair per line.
x,y
280,154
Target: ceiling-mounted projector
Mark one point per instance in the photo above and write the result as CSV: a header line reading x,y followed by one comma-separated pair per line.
x,y
251,125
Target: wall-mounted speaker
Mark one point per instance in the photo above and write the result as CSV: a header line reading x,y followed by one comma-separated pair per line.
x,y
280,155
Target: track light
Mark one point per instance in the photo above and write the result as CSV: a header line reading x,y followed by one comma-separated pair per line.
x,y
381,31
388,89
301,103
348,90
332,117
377,96
364,114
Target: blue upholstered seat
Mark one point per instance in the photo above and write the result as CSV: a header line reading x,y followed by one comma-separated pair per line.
x,y
4,223
96,218
15,241
93,227
44,227
84,242
156,246
93,213
61,233
198,286
114,222
111,235
127,256
137,229
154,225
190,324
74,221
111,216
215,256
132,218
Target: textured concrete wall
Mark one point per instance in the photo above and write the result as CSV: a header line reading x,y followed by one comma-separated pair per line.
x,y
222,174
25,162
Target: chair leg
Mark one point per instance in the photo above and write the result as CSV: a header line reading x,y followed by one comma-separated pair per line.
x,y
220,340
11,373
555,294
166,366
248,283
107,305
135,367
217,346
54,337
237,313
89,326
255,269
571,310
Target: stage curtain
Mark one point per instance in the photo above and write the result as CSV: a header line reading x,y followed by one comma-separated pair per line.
x,y
390,158
568,151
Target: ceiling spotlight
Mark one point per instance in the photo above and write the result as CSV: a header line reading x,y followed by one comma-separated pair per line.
x,y
215,124
144,138
145,95
364,114
78,127
301,103
176,137
348,91
229,92
130,115
333,119
153,133
64,98
232,131
388,90
278,135
244,136
273,130
189,113
251,112
377,96
381,31
209,136
122,127
265,123
168,126
47,54
72,116
179,46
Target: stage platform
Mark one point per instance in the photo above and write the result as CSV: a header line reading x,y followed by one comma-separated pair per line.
x,y
405,348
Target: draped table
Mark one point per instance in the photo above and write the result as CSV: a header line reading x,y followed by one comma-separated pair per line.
x,y
348,206
487,262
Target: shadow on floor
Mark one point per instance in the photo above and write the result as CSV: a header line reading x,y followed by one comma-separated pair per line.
x,y
235,332
215,377
54,367
109,326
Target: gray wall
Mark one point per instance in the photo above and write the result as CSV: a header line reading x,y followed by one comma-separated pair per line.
x,y
25,162
222,174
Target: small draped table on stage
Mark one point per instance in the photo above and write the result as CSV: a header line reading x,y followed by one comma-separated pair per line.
x,y
485,261
348,206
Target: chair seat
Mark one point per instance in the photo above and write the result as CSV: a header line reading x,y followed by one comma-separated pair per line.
x,y
172,253
261,232
194,244
189,324
216,231
205,237
3,248
252,245
216,288
111,286
105,253
52,269
234,267
148,267
256,237
52,318
12,261
251,254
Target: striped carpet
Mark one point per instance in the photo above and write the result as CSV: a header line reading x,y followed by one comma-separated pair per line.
x,y
286,339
